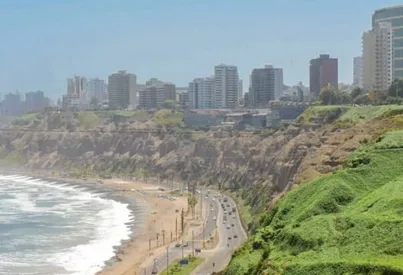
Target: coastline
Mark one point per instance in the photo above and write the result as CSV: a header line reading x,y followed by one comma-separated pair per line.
x,y
147,209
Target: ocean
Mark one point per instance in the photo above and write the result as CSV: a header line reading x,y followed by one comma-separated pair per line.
x,y
58,228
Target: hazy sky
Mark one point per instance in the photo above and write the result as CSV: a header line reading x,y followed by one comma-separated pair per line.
x,y
45,41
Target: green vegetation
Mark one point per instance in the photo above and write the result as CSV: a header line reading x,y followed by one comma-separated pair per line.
x,y
167,117
88,120
349,222
323,113
333,96
25,119
176,269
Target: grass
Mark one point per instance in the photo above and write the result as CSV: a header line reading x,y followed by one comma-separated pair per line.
x,y
355,114
168,117
349,222
25,119
176,269
88,120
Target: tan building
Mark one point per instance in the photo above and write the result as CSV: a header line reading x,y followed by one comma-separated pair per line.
x,y
377,63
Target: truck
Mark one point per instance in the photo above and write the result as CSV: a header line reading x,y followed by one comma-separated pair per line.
x,y
234,209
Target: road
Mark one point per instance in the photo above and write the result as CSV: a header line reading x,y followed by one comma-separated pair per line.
x,y
217,258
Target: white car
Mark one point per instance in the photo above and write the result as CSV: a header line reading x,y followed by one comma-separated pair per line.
x,y
215,218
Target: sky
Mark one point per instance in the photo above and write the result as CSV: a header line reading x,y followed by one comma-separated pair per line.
x,y
44,42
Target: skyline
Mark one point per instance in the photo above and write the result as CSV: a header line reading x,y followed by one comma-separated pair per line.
x,y
44,43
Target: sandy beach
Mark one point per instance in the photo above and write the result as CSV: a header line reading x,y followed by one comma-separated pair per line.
x,y
155,211
162,214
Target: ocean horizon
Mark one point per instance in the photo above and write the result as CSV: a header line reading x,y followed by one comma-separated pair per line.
x,y
50,227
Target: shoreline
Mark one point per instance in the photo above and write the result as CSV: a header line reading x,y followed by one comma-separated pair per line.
x,y
145,208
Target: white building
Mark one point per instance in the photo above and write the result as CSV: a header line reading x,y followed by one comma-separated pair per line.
x,y
97,89
357,71
377,57
201,93
226,85
122,91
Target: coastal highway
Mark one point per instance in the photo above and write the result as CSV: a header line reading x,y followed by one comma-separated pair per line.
x,y
231,235
218,258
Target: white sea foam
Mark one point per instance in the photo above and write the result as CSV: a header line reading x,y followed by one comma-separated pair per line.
x,y
110,225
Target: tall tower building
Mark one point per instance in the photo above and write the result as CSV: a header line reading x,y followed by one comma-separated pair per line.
x,y
98,89
122,90
77,87
357,71
201,93
266,84
226,84
393,15
323,71
377,57
240,90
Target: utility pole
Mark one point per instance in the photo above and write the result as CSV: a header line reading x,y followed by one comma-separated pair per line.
x,y
204,243
167,259
182,247
163,237
193,244
182,221
201,203
176,228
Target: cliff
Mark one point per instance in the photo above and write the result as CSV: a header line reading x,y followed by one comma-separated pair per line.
x,y
259,168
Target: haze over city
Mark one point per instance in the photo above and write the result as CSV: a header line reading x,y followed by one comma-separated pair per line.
x,y
183,40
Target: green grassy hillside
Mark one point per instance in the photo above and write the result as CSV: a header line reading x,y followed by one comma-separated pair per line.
x,y
349,222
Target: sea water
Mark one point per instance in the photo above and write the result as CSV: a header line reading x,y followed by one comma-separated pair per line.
x,y
53,228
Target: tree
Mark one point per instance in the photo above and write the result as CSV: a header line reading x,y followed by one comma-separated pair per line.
x,y
170,104
332,96
94,102
396,88
356,92
363,99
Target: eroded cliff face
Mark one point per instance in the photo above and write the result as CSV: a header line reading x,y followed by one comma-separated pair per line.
x,y
270,163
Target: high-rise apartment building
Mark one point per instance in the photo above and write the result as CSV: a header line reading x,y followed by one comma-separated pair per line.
x,y
323,71
155,94
122,90
265,84
97,89
201,93
77,87
393,15
357,71
240,90
377,57
226,84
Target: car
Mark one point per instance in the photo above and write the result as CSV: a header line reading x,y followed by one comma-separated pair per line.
x,y
232,225
185,245
225,212
177,245
215,218
229,238
228,227
235,236
223,221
